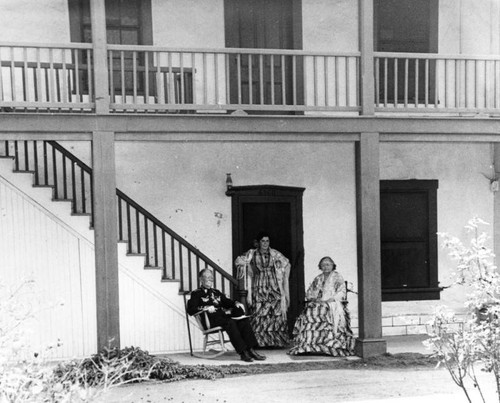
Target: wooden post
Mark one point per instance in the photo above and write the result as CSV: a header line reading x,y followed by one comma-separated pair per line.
x,y
367,84
106,247
496,206
370,340
101,82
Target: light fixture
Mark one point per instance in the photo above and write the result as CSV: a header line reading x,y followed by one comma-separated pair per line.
x,y
229,181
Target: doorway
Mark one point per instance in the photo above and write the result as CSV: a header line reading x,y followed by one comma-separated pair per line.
x,y
412,27
278,211
264,24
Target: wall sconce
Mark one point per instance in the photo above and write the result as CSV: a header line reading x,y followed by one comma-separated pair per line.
x,y
493,177
229,181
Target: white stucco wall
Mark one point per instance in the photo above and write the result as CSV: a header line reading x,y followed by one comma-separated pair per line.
x,y
462,194
36,21
465,26
469,26
184,185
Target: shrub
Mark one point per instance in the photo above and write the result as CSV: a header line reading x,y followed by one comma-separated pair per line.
x,y
115,366
478,340
25,376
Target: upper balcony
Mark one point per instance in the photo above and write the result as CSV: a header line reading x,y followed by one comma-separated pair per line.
x,y
151,79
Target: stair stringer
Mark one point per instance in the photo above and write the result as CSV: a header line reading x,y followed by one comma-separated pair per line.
x,y
151,311
43,197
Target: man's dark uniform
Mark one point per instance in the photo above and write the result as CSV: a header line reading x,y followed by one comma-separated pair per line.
x,y
240,331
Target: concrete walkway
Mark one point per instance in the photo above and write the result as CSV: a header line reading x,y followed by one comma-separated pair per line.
x,y
339,385
395,344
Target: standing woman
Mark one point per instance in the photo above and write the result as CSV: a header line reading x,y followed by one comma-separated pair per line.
x,y
324,325
266,272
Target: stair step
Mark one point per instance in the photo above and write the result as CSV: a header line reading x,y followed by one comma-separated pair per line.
x,y
39,177
169,280
153,268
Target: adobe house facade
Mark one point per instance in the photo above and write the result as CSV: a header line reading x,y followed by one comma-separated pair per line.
x,y
172,104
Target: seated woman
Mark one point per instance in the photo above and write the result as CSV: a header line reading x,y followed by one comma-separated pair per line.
x,y
324,325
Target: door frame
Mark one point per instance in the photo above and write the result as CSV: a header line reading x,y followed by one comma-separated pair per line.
x,y
274,193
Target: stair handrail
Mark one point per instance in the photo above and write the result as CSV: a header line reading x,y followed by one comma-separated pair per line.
x,y
150,216
177,237
72,157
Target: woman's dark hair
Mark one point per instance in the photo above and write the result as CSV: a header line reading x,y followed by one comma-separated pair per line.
x,y
261,235
325,258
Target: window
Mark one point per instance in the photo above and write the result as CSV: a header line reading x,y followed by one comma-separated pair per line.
x,y
128,22
408,226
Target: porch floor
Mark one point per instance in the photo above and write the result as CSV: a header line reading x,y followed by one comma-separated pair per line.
x,y
395,344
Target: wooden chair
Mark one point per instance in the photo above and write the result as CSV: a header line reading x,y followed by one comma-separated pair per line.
x,y
212,336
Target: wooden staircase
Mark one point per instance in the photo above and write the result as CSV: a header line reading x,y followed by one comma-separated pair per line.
x,y
143,234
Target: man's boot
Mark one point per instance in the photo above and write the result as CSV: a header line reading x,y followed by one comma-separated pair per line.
x,y
246,357
255,355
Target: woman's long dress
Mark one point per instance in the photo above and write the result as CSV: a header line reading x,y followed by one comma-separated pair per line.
x,y
269,297
324,326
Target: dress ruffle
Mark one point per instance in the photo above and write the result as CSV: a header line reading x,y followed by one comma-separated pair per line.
x,y
314,332
268,323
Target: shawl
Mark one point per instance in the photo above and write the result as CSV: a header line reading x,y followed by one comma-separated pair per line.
x,y
245,265
331,290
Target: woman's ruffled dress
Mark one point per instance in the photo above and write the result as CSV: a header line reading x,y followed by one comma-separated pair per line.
x,y
324,327
269,324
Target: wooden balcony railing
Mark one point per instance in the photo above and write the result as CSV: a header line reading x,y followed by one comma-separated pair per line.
x,y
409,82
36,77
152,79
162,79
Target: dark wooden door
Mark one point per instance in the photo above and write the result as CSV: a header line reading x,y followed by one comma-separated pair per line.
x,y
278,211
273,217
408,226
406,26
262,24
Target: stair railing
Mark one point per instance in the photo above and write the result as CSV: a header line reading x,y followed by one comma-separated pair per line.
x,y
71,179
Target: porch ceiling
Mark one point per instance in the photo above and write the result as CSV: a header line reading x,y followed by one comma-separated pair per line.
x,y
247,128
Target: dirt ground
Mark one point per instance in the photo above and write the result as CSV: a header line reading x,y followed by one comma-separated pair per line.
x,y
408,374
387,380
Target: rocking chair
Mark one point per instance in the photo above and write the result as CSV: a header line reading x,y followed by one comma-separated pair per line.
x,y
212,336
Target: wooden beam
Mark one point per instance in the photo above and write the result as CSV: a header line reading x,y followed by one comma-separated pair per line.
x,y
154,127
47,136
106,247
367,84
370,340
99,43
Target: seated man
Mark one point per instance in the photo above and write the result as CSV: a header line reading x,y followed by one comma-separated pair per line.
x,y
215,303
